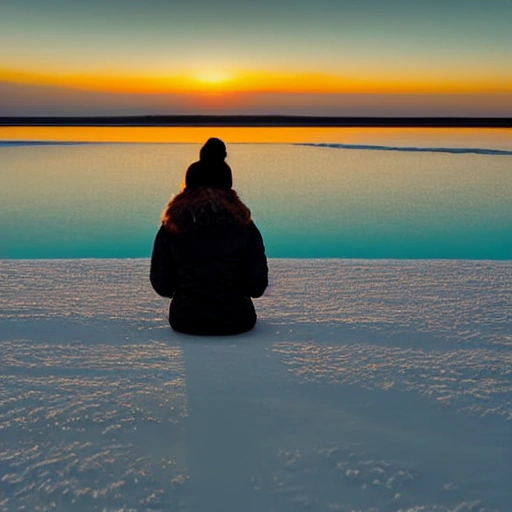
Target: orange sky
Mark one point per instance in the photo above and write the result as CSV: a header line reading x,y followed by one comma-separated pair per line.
x,y
230,81
246,57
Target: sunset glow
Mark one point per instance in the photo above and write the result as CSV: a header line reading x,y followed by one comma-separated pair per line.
x,y
214,79
265,81
346,58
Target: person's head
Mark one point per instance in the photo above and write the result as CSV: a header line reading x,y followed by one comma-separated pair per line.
x,y
211,170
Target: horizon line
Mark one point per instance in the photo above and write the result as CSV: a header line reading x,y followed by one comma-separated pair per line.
x,y
263,120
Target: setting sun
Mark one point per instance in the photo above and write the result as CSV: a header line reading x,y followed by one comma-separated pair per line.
x,y
213,79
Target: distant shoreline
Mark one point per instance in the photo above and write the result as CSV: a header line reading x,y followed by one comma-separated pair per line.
x,y
263,121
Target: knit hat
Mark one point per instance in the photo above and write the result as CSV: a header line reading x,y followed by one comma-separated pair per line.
x,y
214,150
211,170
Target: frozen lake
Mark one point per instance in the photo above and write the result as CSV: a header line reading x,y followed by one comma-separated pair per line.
x,y
376,381
314,193
368,386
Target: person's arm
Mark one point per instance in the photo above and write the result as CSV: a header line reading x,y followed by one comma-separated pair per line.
x,y
256,278
163,273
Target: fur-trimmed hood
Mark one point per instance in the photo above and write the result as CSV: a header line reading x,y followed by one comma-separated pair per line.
x,y
205,209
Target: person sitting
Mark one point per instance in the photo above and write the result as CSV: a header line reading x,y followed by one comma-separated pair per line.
x,y
208,255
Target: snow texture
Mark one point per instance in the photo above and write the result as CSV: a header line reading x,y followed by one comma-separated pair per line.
x,y
367,386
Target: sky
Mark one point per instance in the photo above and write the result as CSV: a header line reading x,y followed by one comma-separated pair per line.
x,y
322,57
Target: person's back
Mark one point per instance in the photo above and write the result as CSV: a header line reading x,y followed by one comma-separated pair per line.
x,y
209,255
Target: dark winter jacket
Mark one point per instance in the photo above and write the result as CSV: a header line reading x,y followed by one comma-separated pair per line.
x,y
209,257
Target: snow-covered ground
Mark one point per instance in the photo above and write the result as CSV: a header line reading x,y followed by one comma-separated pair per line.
x,y
366,386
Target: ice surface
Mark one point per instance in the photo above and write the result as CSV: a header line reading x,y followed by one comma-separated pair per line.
x,y
105,200
415,149
366,386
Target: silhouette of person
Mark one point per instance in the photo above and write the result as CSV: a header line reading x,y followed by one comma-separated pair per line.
x,y
208,255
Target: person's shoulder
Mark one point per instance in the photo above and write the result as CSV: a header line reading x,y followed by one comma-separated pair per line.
x,y
253,227
162,231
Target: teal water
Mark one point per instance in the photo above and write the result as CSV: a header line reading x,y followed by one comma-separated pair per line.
x,y
414,200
